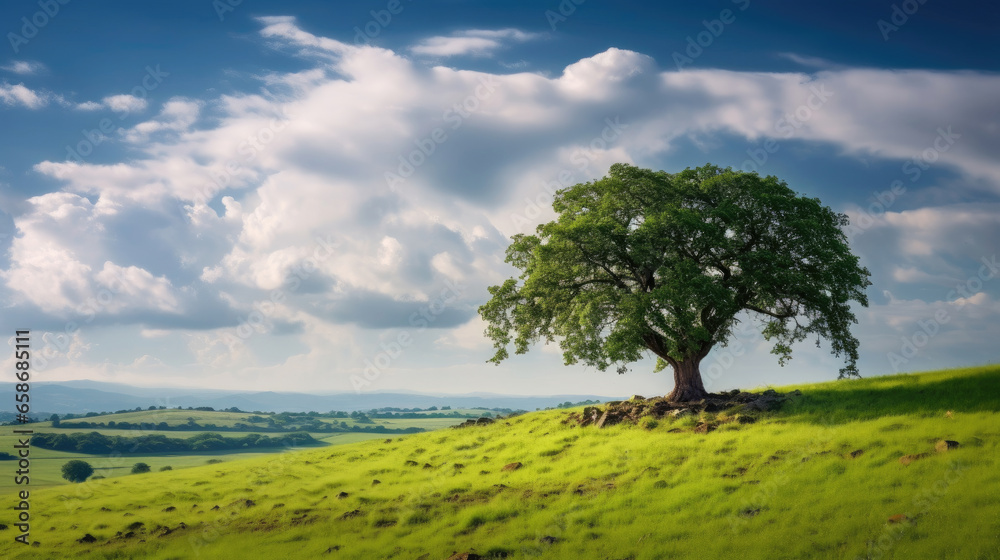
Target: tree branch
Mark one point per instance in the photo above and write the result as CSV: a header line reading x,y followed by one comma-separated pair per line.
x,y
786,315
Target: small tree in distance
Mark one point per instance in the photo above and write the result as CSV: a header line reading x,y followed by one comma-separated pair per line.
x,y
140,468
645,260
77,470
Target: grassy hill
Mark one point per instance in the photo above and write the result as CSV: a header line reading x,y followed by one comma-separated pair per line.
x,y
821,478
46,464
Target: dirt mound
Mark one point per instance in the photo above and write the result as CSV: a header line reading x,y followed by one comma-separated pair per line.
x,y
638,407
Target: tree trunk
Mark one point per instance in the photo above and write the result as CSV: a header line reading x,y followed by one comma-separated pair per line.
x,y
687,381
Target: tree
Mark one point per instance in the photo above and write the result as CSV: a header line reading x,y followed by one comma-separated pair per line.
x,y
140,468
646,261
77,471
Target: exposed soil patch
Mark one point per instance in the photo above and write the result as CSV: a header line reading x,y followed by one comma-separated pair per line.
x,y
637,407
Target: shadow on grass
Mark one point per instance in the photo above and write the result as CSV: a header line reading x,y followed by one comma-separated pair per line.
x,y
931,394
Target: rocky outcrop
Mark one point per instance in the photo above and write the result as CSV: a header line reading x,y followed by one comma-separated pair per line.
x,y
638,407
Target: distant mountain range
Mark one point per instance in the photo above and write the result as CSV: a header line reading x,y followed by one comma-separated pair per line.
x,y
95,396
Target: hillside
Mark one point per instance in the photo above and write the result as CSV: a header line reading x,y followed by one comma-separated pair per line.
x,y
821,478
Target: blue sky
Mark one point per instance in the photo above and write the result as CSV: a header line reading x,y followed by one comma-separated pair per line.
x,y
315,196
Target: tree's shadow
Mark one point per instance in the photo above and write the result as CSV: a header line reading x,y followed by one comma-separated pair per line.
x,y
866,399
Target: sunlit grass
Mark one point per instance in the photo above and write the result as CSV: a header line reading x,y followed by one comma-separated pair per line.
x,y
783,487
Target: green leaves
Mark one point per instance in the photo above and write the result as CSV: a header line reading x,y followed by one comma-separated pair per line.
x,y
644,260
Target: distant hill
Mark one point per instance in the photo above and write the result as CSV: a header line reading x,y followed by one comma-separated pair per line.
x,y
96,396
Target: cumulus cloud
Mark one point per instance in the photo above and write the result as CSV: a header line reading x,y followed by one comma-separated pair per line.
x,y
124,103
475,42
177,115
271,211
18,94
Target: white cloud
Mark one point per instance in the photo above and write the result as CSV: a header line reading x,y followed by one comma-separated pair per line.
x,y
24,67
177,115
252,195
89,106
18,94
810,61
124,103
476,42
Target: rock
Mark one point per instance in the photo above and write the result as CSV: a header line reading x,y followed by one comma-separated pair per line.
x,y
945,445
613,416
907,459
88,538
483,421
459,466
170,508
898,518
376,482
512,466
549,539
465,556
428,466
342,495
216,508
590,415
411,463
856,453
637,398
704,428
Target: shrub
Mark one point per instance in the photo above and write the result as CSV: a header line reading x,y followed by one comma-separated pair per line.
x,y
140,468
166,468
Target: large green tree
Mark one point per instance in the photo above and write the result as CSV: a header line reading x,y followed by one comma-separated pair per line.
x,y
647,261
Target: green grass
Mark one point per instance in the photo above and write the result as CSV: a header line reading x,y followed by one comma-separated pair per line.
x,y
174,418
784,487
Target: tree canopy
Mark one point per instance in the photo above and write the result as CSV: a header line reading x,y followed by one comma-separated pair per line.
x,y
647,261
77,470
